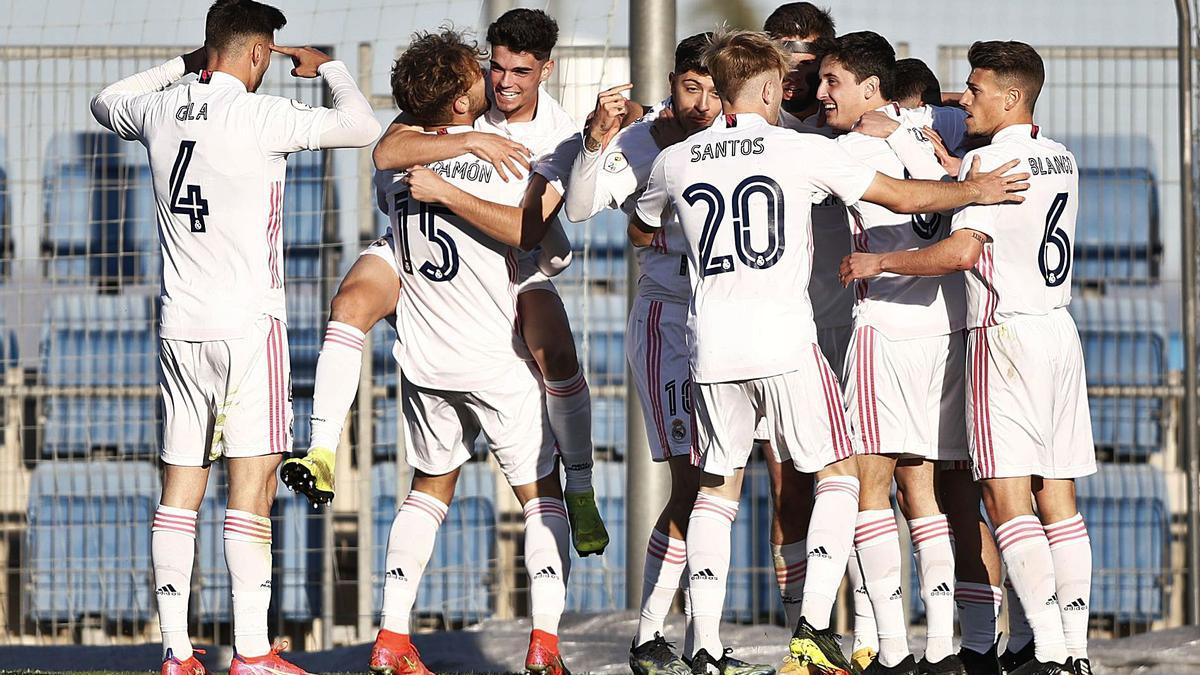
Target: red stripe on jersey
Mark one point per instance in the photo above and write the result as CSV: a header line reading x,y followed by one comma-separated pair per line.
x,y
731,120
205,76
1033,131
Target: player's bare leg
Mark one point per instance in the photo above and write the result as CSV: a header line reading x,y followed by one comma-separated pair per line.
x,y
548,563
929,529
367,294
1025,550
791,507
547,333
410,545
830,538
1071,549
173,552
977,568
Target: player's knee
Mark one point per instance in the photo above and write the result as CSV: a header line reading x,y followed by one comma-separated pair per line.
x,y
559,362
355,308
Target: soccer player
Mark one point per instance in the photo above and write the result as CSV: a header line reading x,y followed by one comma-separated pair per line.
x,y
526,119
903,390
753,351
461,372
1025,360
218,153
611,172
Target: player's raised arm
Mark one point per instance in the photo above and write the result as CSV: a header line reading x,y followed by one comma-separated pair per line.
x,y
584,198
521,226
404,146
115,107
924,196
350,123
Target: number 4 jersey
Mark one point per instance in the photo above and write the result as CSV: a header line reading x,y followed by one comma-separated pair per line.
x,y
1026,267
458,299
743,191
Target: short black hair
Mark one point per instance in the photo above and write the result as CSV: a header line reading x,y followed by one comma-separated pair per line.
x,y
524,30
229,21
689,54
867,54
800,19
1013,61
914,79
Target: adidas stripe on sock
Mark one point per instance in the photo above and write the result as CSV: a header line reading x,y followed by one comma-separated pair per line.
x,y
410,544
569,409
978,607
547,560
1071,549
338,367
1026,554
173,551
830,538
708,547
935,570
248,555
791,563
666,561
877,541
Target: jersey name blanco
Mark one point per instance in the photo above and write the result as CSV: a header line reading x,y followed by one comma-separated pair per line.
x,y
743,191
1026,267
458,298
901,307
218,155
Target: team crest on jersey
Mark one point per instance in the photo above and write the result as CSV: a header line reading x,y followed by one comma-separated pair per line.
x,y
301,105
678,432
616,162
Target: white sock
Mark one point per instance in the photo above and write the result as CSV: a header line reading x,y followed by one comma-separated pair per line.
x,y
689,626
866,633
173,550
410,544
978,608
248,555
569,408
547,560
666,561
1071,549
830,538
1026,553
708,546
877,541
338,368
935,569
1019,632
791,562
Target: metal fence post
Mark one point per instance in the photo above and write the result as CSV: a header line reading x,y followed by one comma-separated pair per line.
x,y
651,50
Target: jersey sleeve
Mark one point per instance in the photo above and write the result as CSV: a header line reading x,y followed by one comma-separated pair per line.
x,y
652,205
980,218
122,106
287,125
834,171
556,164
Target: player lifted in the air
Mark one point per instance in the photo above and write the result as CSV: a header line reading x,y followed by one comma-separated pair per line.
x,y
1027,410
904,371
218,153
742,190
461,367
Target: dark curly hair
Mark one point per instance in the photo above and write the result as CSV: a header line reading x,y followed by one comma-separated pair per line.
x,y
524,30
435,69
228,21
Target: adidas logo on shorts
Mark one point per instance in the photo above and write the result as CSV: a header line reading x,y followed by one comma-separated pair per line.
x,y
942,589
819,552
1077,605
705,574
168,589
397,574
546,572
896,594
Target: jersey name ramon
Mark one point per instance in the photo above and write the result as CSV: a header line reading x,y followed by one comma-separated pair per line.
x,y
743,191
457,311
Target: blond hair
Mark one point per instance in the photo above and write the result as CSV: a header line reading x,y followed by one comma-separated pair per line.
x,y
734,57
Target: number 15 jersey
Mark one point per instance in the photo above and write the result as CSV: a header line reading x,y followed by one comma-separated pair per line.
x,y
1026,267
743,191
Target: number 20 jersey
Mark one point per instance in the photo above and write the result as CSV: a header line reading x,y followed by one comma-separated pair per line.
x,y
743,191
458,297
1026,267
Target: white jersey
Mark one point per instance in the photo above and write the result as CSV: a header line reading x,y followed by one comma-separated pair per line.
x,y
901,307
458,298
743,191
218,155
551,136
1026,267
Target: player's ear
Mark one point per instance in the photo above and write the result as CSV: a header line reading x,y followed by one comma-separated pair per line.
x,y
1012,98
547,69
462,105
870,86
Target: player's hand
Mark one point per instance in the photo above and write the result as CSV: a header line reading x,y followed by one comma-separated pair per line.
x,y
506,155
606,120
995,187
195,61
425,185
860,266
876,123
666,130
949,162
305,60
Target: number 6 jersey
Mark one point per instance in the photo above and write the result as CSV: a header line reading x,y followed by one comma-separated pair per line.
x,y
458,295
743,191
1026,267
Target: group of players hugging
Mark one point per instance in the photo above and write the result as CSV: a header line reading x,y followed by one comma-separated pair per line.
x,y
864,284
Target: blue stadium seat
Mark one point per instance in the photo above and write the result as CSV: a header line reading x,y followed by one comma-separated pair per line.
x,y
1125,507
608,423
1117,235
1124,343
100,341
296,531
459,580
605,234
88,541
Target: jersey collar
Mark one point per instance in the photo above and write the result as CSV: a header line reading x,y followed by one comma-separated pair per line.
x,y
497,119
738,121
217,78
1018,131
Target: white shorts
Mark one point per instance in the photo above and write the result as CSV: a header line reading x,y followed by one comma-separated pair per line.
x,y
806,421
657,351
906,397
834,341
384,248
230,398
440,427
529,277
1027,407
